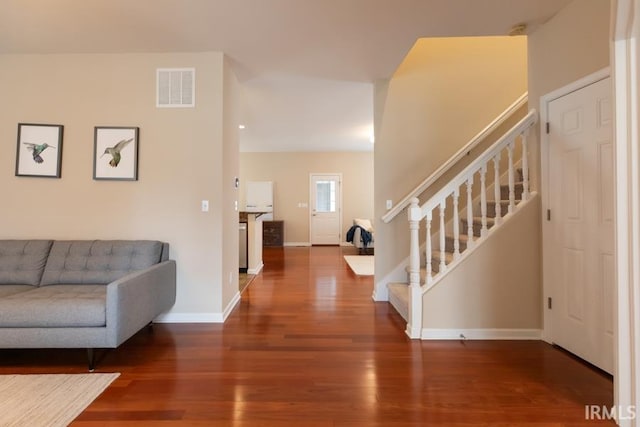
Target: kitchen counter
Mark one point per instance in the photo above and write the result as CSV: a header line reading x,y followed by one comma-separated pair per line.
x,y
254,240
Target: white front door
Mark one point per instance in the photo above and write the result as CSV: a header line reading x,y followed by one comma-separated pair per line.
x,y
324,209
581,221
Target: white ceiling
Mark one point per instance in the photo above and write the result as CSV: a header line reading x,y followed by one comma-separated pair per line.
x,y
307,66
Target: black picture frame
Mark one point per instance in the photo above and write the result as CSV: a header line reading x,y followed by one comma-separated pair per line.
x,y
115,153
39,150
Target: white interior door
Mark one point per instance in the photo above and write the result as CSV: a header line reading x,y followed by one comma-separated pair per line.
x,y
324,209
581,191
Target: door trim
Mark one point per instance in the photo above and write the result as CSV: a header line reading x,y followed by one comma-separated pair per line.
x,y
545,100
625,53
341,210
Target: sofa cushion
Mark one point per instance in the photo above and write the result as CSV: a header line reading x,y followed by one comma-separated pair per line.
x,y
98,261
58,306
6,290
22,261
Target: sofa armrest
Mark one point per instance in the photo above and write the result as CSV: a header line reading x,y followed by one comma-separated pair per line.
x,y
357,239
137,298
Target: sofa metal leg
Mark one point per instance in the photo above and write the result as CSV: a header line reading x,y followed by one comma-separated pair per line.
x,y
92,359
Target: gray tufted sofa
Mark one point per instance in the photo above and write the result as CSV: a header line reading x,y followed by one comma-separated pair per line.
x,y
81,294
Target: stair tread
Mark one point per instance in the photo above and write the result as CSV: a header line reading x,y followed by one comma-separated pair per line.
x,y
399,298
448,256
463,238
398,287
478,220
504,201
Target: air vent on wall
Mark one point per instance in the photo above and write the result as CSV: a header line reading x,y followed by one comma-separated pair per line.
x,y
175,87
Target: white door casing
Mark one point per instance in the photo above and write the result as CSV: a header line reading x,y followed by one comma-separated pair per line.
x,y
579,236
626,72
325,207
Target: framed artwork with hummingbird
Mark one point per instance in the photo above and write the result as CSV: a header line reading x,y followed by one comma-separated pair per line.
x,y
39,150
115,153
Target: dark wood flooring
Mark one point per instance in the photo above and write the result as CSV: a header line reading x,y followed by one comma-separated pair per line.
x,y
307,346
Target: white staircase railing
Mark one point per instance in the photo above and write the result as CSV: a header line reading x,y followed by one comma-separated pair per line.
x,y
477,228
461,153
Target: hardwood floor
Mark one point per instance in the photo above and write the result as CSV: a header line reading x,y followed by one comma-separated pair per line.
x,y
307,346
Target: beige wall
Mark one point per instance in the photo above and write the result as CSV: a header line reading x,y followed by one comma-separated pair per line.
x,y
180,161
497,286
230,170
444,93
571,45
290,175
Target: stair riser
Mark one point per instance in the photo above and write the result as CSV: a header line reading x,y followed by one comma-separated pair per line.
x,y
504,191
491,209
477,228
449,245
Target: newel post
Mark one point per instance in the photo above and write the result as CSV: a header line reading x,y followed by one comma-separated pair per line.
x,y
414,324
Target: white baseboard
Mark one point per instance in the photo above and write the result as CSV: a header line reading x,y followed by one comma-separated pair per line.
x,y
190,318
296,244
256,270
380,294
481,334
232,304
200,317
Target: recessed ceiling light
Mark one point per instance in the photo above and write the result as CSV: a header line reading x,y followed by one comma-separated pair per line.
x,y
241,126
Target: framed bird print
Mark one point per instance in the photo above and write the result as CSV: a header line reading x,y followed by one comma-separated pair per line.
x,y
115,153
39,151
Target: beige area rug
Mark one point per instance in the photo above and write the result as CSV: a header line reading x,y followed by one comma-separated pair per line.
x,y
48,400
362,265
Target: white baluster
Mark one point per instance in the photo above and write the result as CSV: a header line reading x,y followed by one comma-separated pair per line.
x,y
483,199
470,212
456,224
496,189
443,264
525,166
429,254
512,183
414,254
414,325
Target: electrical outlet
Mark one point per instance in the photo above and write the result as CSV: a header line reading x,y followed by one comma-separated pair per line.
x,y
204,206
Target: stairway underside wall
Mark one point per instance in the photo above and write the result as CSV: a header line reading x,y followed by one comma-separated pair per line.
x,y
498,287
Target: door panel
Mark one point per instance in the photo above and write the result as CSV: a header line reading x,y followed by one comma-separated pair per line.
x,y
581,202
325,209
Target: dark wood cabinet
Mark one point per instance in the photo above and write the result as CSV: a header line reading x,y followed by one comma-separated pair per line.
x,y
272,233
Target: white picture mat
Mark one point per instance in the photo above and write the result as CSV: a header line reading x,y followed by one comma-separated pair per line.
x,y
35,134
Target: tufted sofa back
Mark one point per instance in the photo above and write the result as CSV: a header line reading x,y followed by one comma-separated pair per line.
x,y
98,261
22,261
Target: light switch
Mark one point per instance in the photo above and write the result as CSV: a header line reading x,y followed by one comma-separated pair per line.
x,y
205,206
389,204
